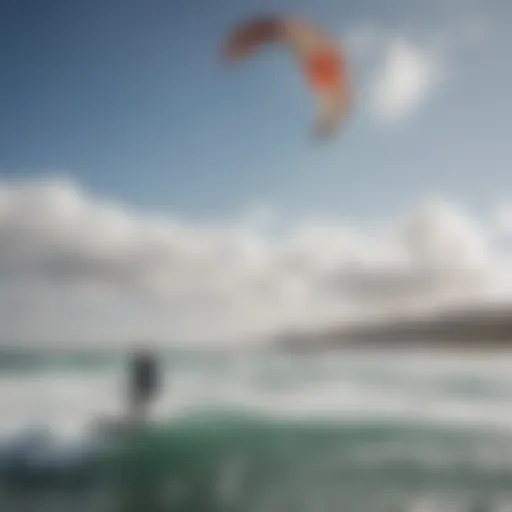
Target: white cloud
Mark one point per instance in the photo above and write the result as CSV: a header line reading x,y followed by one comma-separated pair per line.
x,y
395,74
503,219
406,78
398,70
75,268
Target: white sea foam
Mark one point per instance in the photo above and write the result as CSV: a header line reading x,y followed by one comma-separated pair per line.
x,y
424,388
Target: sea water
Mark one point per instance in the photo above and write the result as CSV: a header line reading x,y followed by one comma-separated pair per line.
x,y
261,431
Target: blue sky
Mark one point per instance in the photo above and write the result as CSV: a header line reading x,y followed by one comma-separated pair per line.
x,y
129,98
136,150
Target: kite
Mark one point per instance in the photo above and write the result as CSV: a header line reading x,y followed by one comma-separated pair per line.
x,y
321,60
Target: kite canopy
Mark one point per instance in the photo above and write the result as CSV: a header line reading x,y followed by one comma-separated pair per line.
x,y
321,61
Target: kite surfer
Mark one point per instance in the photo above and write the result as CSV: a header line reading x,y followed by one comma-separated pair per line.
x,y
143,386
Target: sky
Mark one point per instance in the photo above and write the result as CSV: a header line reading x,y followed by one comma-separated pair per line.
x,y
147,191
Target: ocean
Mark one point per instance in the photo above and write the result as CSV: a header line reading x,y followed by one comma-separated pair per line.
x,y
394,431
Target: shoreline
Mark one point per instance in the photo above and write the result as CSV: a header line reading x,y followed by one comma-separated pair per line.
x,y
463,330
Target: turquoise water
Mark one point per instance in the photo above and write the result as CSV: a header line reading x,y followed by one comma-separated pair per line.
x,y
263,432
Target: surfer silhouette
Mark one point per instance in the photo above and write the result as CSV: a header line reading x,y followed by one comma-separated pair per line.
x,y
144,384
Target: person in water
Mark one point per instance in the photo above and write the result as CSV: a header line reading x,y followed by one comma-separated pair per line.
x,y
144,384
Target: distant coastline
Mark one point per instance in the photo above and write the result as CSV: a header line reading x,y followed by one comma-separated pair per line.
x,y
469,328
